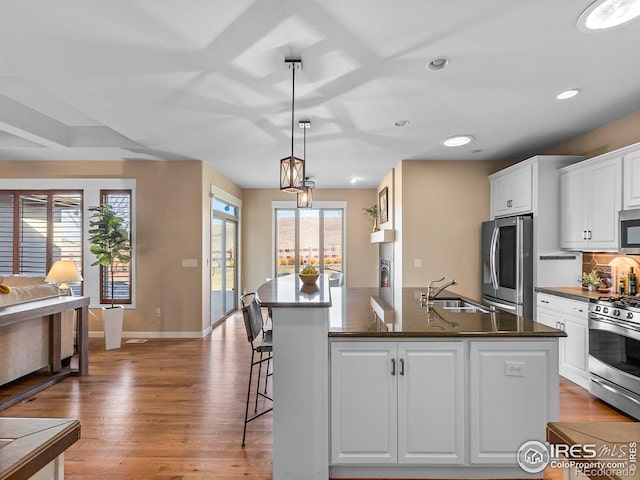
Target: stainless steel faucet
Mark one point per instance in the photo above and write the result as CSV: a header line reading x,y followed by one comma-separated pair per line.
x,y
433,292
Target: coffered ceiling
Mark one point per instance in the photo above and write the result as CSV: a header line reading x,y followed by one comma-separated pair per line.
x,y
206,79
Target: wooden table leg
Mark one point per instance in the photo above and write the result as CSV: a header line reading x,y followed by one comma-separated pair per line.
x,y
55,342
83,337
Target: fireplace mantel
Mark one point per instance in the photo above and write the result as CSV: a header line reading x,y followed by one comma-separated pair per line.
x,y
383,236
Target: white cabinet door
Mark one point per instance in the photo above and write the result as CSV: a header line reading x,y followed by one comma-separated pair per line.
x,y
590,201
631,179
604,195
501,193
513,394
575,354
521,189
511,191
572,316
363,403
573,233
431,403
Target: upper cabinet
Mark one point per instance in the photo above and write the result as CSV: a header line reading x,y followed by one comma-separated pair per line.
x,y
590,200
631,179
530,186
511,190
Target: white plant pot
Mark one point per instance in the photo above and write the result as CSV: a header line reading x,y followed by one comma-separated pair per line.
x,y
112,318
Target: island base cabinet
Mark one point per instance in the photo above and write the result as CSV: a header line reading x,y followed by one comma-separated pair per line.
x,y
397,403
514,392
431,403
363,403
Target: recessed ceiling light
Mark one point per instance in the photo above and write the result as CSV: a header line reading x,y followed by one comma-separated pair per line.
x,y
457,140
354,180
568,94
401,123
605,14
437,63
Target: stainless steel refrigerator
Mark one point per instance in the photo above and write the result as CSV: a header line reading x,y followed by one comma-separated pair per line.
x,y
507,258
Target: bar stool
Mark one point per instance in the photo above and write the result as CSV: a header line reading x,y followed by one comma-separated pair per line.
x,y
261,342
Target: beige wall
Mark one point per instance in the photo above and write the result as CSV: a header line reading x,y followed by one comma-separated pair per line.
x,y
257,248
612,136
443,204
171,199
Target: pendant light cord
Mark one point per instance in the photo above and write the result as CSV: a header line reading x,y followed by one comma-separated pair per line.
x,y
293,99
304,157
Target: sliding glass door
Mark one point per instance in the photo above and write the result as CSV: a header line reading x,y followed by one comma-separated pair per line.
x,y
224,241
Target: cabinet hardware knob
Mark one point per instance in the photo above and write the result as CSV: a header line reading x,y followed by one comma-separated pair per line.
x,y
402,366
544,301
393,366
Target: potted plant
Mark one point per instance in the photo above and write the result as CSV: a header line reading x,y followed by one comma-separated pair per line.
x,y
372,212
110,244
591,280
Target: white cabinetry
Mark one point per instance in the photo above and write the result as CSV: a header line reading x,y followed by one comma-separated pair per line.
x,y
397,402
511,190
506,380
631,179
572,316
590,201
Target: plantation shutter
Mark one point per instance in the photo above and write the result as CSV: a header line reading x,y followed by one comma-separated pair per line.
x,y
37,228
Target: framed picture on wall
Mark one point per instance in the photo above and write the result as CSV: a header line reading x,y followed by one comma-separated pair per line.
x,y
384,204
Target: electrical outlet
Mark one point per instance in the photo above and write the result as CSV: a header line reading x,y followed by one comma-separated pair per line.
x,y
514,369
417,262
157,312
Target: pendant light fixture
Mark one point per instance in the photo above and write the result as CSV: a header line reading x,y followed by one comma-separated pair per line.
x,y
292,168
305,196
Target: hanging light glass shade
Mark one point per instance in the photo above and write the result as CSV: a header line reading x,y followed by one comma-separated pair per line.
x,y
291,167
305,196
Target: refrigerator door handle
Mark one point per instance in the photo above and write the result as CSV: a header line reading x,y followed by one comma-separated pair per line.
x,y
502,306
492,261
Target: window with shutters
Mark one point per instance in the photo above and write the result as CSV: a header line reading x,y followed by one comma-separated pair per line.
x,y
120,201
39,227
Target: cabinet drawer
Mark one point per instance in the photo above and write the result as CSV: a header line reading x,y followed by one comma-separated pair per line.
x,y
562,305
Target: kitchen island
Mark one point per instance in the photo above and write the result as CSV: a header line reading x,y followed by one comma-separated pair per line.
x,y
429,394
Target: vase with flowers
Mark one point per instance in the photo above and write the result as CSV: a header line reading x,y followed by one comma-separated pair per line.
x,y
372,211
591,281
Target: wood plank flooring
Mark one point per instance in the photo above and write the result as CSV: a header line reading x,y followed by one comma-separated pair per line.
x,y
174,409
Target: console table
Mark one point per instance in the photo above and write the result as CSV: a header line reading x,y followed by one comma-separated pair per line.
x,y
51,308
34,447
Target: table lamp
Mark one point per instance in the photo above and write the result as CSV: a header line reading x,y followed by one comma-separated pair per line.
x,y
63,271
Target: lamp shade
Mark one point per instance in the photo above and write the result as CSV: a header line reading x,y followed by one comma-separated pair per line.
x,y
63,271
291,174
305,197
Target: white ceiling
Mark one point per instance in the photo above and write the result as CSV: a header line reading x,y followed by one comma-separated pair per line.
x,y
206,79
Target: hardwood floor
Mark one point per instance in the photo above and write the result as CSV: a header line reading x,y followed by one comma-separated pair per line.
x,y
174,409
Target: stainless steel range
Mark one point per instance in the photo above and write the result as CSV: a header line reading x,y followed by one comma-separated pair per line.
x,y
614,352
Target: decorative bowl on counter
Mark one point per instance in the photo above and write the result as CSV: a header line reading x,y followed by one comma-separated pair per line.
x,y
309,278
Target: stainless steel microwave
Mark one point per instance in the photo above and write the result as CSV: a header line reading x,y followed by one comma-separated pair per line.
x,y
630,231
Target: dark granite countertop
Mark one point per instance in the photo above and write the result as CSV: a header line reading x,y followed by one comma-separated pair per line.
x,y
352,316
573,293
289,291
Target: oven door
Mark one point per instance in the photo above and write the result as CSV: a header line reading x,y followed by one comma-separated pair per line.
x,y
614,362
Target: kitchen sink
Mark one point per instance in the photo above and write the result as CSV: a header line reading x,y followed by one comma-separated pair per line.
x,y
458,305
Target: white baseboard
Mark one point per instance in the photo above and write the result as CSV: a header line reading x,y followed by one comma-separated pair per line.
x,y
100,334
